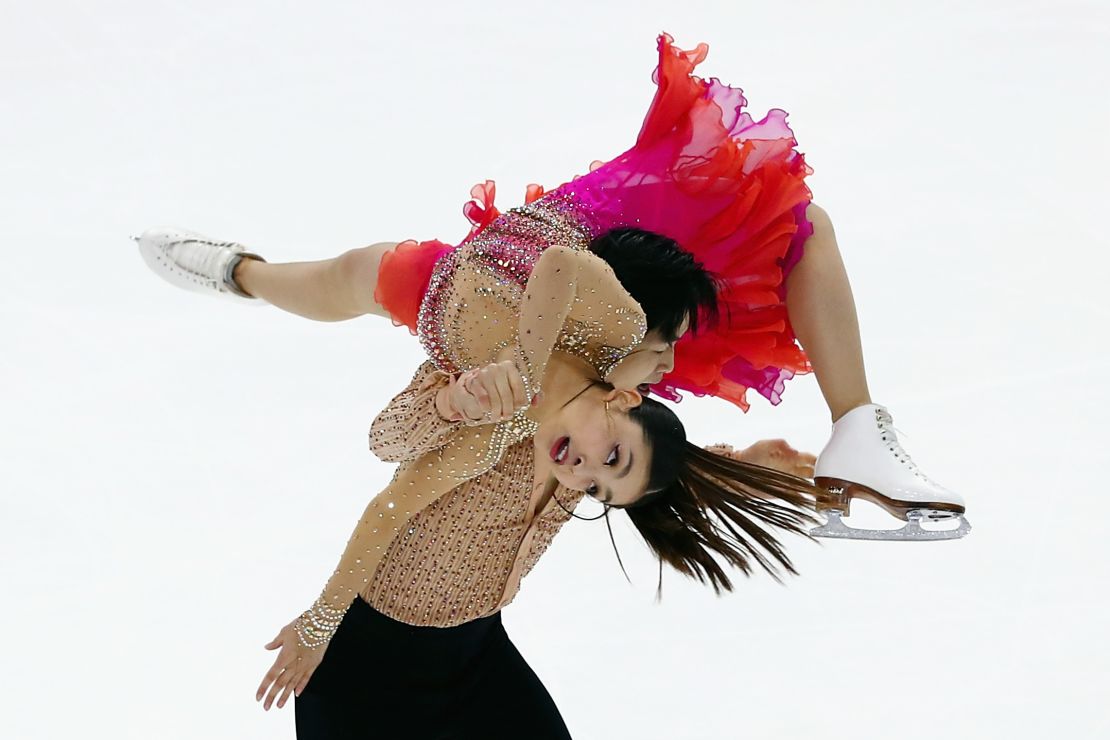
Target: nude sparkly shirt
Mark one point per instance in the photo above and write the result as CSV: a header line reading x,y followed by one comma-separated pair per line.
x,y
452,535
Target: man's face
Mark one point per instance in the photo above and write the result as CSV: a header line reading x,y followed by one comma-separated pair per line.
x,y
648,361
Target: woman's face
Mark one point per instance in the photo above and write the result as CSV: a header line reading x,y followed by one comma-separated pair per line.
x,y
648,361
602,453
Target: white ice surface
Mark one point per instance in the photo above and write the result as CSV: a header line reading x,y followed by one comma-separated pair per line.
x,y
179,474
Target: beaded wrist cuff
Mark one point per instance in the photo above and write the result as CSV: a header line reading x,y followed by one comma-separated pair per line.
x,y
525,369
317,624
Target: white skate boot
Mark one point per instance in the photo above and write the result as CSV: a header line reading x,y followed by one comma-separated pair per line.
x,y
195,262
863,459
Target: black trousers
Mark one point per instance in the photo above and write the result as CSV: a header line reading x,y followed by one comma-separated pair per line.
x,y
382,679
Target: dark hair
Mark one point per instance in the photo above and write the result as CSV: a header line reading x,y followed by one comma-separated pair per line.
x,y
667,282
699,503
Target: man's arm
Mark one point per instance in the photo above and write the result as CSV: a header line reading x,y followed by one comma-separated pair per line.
x,y
419,419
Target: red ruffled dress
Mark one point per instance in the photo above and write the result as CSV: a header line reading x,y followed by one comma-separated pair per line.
x,y
728,189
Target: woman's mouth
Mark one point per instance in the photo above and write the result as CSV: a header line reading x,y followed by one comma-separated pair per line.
x,y
559,451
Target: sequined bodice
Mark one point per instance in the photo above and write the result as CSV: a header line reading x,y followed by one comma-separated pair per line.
x,y
471,309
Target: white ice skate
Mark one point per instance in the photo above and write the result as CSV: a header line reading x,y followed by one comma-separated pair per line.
x,y
863,459
194,262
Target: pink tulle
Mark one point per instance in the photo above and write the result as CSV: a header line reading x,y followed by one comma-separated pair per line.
x,y
729,189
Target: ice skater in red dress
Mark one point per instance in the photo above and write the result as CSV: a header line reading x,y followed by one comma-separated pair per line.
x,y
730,191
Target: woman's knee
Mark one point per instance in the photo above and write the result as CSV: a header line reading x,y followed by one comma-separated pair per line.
x,y
822,225
820,250
358,276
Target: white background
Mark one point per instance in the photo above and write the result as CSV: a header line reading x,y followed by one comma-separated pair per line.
x,y
179,473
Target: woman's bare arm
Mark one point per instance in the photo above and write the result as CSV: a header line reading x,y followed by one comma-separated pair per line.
x,y
564,281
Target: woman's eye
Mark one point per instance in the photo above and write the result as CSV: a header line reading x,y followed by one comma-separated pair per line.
x,y
613,456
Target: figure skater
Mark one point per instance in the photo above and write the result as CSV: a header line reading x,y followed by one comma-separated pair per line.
x,y
734,197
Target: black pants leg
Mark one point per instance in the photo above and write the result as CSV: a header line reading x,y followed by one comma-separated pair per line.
x,y
381,679
506,700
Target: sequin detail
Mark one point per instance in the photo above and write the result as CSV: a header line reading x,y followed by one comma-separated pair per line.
x,y
473,309
584,339
452,562
504,252
410,426
453,559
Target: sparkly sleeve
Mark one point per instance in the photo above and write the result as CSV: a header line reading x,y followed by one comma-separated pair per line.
x,y
411,425
568,282
416,484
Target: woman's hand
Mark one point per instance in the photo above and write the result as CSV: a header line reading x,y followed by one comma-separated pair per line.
x,y
771,453
295,664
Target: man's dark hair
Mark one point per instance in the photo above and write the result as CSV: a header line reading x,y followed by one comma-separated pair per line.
x,y
667,282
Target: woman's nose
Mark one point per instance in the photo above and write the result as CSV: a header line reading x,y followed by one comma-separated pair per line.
x,y
578,470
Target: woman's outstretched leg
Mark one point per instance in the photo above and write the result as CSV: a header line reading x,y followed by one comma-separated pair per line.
x,y
334,289
863,457
823,315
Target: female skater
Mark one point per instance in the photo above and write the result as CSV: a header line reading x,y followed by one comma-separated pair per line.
x,y
741,207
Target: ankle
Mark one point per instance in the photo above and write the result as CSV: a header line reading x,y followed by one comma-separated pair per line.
x,y
237,272
842,408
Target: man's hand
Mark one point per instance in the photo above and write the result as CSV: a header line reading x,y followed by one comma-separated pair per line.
x,y
771,453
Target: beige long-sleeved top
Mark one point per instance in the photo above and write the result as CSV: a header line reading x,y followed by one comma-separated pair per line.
x,y
463,555
454,532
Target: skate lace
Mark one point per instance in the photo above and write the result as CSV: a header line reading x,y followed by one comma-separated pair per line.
x,y
205,262
889,434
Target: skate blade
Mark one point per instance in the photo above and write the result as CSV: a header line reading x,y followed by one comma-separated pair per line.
x,y
835,528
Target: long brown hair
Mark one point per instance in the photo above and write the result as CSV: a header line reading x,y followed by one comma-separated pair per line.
x,y
700,504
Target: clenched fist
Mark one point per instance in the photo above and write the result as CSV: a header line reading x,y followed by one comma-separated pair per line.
x,y
488,394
